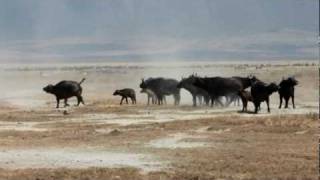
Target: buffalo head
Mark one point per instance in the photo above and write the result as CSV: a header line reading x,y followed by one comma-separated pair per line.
x,y
273,87
116,93
49,89
292,81
143,84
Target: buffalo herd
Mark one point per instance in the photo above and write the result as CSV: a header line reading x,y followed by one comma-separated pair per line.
x,y
213,91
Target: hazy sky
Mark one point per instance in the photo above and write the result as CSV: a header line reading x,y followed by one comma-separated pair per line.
x,y
88,30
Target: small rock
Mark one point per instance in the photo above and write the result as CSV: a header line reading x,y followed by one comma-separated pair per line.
x,y
115,132
211,128
65,112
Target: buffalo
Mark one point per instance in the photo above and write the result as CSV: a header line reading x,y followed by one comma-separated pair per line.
x,y
152,96
218,87
245,83
162,87
245,98
196,92
125,94
286,91
65,90
260,92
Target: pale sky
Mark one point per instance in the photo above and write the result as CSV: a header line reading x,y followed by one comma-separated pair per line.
x,y
154,30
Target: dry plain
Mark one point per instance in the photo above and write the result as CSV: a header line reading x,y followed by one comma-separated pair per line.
x,y
103,140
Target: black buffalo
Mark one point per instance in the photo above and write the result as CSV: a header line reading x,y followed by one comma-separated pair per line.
x,y
245,83
260,92
162,87
286,91
218,87
125,94
196,92
151,96
245,98
65,90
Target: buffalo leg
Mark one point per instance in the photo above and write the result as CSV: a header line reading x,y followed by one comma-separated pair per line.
x,y
58,102
149,100
267,101
121,100
256,106
194,100
127,100
200,98
235,100
287,101
280,102
228,100
154,100
292,98
80,100
212,101
245,105
66,102
159,99
207,99
243,108
177,98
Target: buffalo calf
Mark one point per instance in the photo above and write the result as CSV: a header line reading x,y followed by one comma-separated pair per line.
x,y
125,94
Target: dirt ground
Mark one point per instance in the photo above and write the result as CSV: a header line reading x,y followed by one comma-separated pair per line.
x,y
103,140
